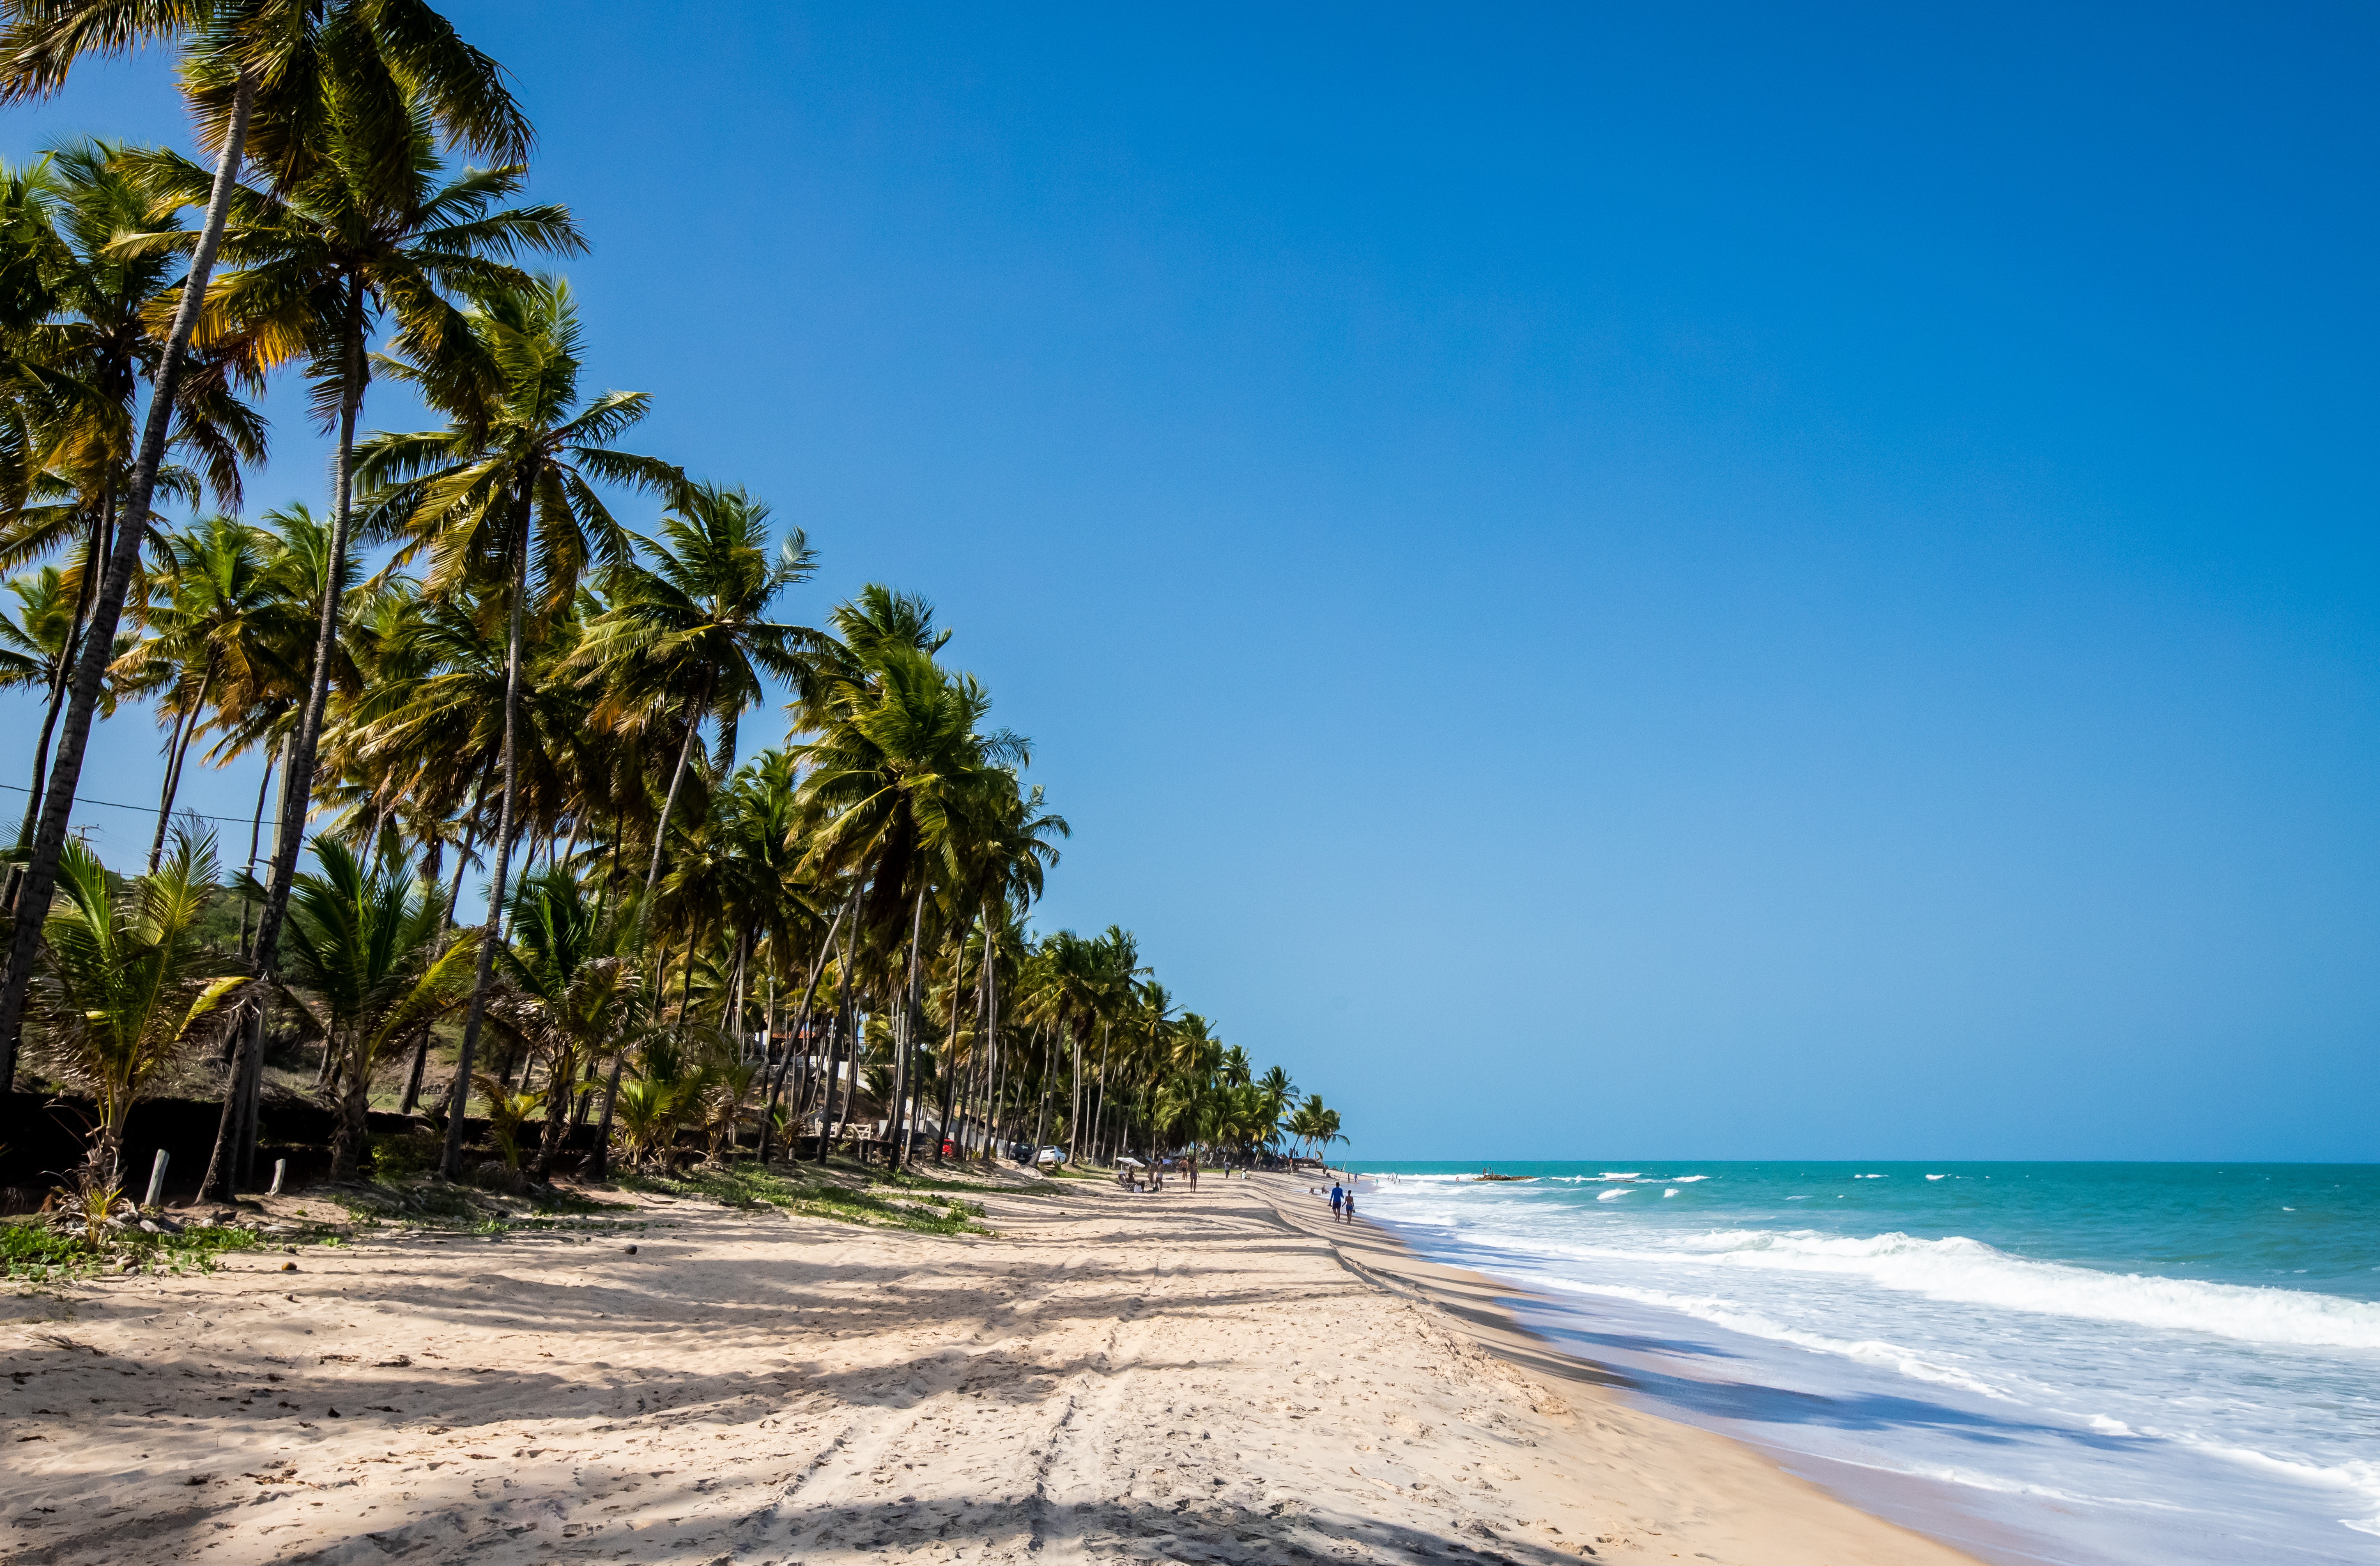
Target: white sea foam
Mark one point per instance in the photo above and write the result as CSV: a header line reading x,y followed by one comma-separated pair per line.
x,y
1971,1272
1670,1191
1611,1196
2363,1478
1937,1177
1737,1318
1688,1179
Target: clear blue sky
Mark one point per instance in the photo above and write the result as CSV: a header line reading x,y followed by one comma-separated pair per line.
x,y
1658,581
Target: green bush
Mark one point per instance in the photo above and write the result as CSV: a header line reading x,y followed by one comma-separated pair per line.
x,y
411,1152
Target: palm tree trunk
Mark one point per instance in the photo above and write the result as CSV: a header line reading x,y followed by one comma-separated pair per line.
x,y
102,531
1075,1103
560,1099
298,780
950,1047
165,790
123,560
42,746
255,833
801,1027
735,1002
1099,1094
678,778
413,1082
905,1038
354,1132
458,1101
234,1149
186,730
844,999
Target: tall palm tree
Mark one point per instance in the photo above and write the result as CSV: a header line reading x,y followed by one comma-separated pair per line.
x,y
372,947
290,57
507,483
370,233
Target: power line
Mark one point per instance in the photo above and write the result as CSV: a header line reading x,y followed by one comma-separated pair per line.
x,y
144,809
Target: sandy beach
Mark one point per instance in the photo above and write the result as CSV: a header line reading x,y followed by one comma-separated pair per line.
x,y
1220,1375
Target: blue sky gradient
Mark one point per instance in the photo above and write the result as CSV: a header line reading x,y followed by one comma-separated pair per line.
x,y
1694,582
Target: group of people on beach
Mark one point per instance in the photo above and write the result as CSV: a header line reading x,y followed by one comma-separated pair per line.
x,y
1152,1177
1342,1204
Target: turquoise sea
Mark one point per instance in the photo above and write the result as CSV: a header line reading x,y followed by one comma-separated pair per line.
x,y
2081,1364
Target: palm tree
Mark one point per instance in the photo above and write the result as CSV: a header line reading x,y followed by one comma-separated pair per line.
x,y
687,639
370,945
1280,1093
221,615
902,778
510,477
126,986
368,232
290,57
570,990
96,329
1083,983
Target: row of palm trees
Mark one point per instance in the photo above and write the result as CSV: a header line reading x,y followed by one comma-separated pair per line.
x,y
827,940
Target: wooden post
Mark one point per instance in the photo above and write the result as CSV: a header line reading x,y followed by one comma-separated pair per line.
x,y
280,1168
156,1179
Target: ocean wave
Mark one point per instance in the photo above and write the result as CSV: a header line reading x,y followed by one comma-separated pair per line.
x,y
1610,1195
1688,1179
1735,1317
1965,1271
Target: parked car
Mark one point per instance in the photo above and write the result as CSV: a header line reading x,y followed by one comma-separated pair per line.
x,y
1049,1156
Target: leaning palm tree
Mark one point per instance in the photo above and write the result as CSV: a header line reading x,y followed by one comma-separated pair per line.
x,y
252,69
372,947
508,483
127,984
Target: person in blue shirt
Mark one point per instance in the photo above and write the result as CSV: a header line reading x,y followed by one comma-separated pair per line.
x,y
1338,1194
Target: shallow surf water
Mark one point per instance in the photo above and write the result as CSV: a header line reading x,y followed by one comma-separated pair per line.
x,y
2092,1364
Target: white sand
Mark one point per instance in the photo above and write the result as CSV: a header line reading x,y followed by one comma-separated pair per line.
x,y
1191,1376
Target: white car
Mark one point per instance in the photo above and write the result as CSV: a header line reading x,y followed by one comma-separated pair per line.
x,y
1048,1155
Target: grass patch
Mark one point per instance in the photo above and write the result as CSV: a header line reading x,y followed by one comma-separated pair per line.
x,y
31,1253
922,1215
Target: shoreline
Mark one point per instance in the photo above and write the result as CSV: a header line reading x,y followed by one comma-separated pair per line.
x,y
1190,1376
1752,1474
